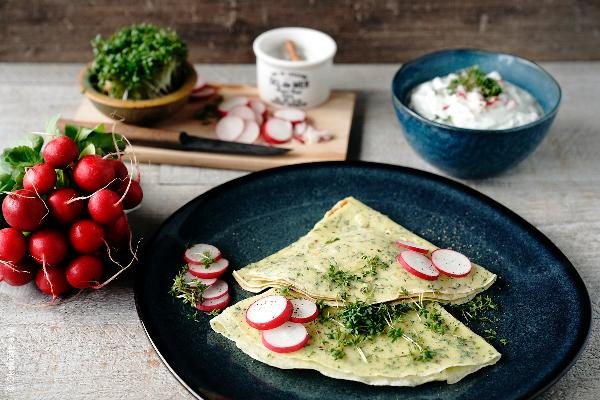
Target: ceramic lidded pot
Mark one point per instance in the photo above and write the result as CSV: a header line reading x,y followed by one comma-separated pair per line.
x,y
304,83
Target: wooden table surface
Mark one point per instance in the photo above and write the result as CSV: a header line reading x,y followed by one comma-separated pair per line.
x,y
94,346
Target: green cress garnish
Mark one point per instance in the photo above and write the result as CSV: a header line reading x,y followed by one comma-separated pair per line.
x,y
483,310
138,62
473,78
360,322
187,293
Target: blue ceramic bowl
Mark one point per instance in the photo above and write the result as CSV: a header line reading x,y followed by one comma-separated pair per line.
x,y
474,153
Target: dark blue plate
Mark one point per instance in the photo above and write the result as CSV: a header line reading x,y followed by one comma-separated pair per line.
x,y
545,308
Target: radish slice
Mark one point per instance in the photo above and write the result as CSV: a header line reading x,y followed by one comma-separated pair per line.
x,y
277,130
250,133
258,106
269,312
213,270
303,311
201,253
451,263
216,291
291,114
412,246
244,112
231,103
216,304
259,118
192,280
418,265
200,84
203,93
229,128
300,128
288,337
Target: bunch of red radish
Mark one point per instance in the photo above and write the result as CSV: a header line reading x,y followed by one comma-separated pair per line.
x,y
244,120
417,260
58,235
280,321
205,266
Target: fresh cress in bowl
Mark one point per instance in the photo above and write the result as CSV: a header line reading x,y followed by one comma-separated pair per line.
x,y
138,62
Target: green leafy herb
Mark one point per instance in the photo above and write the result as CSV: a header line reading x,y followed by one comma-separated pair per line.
x,y
473,78
373,265
433,320
138,62
332,240
425,354
395,334
476,308
188,292
503,341
339,277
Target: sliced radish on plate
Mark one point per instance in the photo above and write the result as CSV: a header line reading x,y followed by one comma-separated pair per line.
x,y
293,115
451,263
289,337
201,253
244,112
216,290
418,265
213,270
193,281
229,128
269,312
233,102
258,107
215,304
203,93
303,310
250,133
277,130
412,246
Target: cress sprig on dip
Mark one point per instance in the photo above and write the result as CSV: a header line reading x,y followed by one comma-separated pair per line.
x,y
138,62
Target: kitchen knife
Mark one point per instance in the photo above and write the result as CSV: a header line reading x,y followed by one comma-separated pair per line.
x,y
177,140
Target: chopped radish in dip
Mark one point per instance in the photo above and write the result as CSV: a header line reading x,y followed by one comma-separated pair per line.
x,y
470,99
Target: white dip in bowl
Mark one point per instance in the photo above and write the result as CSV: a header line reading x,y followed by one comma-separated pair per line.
x,y
469,99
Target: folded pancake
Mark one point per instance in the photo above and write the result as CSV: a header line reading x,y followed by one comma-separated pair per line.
x,y
427,344
350,255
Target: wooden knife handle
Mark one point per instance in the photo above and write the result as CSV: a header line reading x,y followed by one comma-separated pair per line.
x,y
132,132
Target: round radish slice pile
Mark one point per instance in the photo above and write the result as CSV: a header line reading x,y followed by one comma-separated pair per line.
x,y
244,112
201,253
231,103
293,115
269,312
215,304
258,107
213,270
216,290
412,246
192,280
250,133
286,338
277,130
451,263
229,128
418,265
303,311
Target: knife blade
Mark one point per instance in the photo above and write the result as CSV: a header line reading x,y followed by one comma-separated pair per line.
x,y
175,140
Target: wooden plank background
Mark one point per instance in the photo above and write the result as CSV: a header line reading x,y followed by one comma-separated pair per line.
x,y
367,31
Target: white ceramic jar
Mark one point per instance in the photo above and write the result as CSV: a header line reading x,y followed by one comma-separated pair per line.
x,y
305,83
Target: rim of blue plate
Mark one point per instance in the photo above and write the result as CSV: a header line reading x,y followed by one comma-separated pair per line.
x,y
451,128
545,384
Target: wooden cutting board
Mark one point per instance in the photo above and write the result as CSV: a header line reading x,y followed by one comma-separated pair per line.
x,y
335,116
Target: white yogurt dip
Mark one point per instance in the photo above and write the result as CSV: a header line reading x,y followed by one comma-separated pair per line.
x,y
458,101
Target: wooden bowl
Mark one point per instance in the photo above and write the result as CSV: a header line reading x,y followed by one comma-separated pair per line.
x,y
141,112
